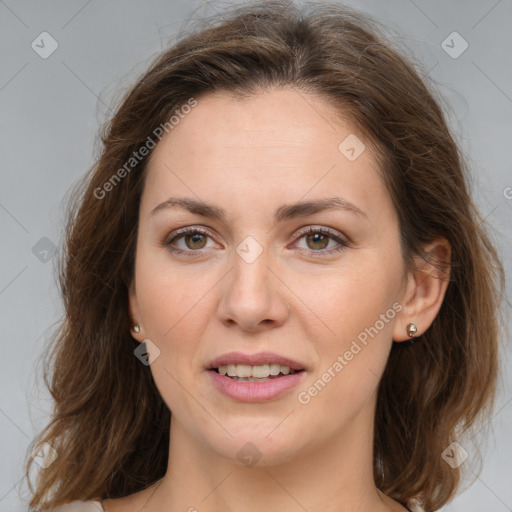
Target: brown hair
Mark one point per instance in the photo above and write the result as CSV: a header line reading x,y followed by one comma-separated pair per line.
x,y
110,426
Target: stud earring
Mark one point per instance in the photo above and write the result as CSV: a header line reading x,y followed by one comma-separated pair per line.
x,y
136,328
411,330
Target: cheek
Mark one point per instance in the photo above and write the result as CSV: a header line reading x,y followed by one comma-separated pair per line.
x,y
350,367
174,318
169,299
354,301
358,307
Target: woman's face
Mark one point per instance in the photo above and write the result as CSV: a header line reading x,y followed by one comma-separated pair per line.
x,y
250,278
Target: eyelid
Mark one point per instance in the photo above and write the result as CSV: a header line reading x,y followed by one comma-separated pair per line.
x,y
313,228
338,237
186,230
181,232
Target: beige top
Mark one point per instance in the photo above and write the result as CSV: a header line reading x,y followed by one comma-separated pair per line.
x,y
80,506
96,506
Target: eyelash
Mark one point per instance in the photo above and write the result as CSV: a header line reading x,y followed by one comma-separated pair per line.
x,y
310,230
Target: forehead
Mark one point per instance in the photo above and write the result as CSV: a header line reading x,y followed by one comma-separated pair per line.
x,y
269,120
278,145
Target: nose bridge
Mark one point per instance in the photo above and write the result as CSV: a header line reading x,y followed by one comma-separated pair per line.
x,y
250,276
251,293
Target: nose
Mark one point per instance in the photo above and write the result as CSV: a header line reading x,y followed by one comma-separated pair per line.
x,y
253,296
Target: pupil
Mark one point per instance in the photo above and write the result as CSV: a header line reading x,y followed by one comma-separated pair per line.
x,y
319,238
197,238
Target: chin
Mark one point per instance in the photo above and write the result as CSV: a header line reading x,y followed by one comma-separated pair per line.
x,y
262,446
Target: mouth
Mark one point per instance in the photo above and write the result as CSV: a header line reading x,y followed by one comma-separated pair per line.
x,y
257,377
256,373
255,383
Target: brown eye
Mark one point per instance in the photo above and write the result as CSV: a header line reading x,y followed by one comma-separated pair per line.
x,y
321,241
188,241
197,240
317,241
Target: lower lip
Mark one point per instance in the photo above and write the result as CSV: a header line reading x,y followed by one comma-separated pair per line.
x,y
255,391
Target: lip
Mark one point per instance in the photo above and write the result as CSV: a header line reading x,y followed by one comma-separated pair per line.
x,y
255,360
255,391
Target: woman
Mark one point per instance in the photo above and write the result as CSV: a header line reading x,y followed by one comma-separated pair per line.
x,y
279,294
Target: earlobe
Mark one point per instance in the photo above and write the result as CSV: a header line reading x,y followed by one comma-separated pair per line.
x,y
134,313
425,291
412,330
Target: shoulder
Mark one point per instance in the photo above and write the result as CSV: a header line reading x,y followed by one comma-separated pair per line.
x,y
80,506
96,506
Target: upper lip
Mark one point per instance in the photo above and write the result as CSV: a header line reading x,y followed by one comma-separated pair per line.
x,y
255,360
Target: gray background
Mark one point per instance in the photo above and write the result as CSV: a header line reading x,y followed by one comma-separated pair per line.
x,y
50,113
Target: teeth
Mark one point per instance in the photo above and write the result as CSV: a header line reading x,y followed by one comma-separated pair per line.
x,y
243,370
261,371
275,369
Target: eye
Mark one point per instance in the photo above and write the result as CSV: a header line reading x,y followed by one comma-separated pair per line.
x,y
318,239
192,239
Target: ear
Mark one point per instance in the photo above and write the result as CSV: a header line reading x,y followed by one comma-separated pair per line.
x,y
425,289
134,312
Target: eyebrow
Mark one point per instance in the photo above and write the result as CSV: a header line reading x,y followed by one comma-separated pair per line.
x,y
285,212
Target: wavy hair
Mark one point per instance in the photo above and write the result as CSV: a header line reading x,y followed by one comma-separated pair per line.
x,y
109,425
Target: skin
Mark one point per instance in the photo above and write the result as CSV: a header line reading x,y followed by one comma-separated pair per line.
x,y
251,157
